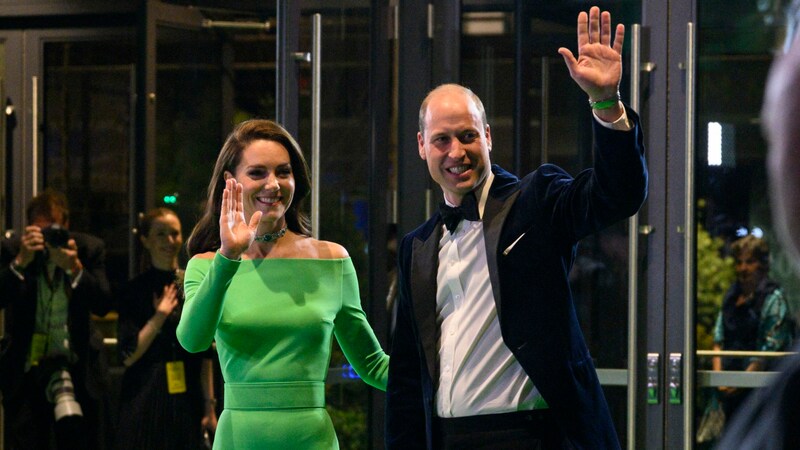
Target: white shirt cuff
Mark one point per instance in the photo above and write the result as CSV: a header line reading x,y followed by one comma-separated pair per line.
x,y
16,272
621,124
77,279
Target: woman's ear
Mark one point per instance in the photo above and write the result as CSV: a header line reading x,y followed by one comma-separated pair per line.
x,y
227,175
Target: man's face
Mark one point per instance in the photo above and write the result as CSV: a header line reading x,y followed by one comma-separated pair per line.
x,y
456,143
44,221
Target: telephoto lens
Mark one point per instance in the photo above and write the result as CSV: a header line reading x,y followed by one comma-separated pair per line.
x,y
61,392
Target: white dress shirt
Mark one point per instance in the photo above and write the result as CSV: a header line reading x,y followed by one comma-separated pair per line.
x,y
478,373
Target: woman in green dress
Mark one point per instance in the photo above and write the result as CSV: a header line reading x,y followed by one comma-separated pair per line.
x,y
271,297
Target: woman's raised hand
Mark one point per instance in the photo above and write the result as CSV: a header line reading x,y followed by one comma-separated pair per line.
x,y
168,300
235,233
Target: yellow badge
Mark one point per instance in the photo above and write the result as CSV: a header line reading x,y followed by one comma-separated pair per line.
x,y
176,378
38,347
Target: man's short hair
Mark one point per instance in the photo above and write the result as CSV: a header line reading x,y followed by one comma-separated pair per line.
x,y
423,109
49,204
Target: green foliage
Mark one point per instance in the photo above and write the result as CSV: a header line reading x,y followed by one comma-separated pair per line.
x,y
350,425
715,274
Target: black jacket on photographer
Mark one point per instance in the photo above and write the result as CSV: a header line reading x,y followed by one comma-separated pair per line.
x,y
19,297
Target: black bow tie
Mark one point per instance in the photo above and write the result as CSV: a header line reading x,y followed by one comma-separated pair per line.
x,y
451,216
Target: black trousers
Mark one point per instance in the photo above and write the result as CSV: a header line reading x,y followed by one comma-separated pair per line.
x,y
528,430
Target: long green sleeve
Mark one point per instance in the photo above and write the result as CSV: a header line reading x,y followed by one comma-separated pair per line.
x,y
204,289
356,337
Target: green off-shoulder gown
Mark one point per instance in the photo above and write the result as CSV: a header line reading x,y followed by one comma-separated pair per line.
x,y
273,320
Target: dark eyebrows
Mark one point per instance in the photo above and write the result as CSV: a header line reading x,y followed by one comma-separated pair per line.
x,y
436,136
264,166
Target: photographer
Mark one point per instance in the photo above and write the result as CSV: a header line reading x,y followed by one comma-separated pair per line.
x,y
51,279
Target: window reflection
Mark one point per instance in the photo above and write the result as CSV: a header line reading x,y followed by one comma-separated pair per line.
x,y
736,46
87,138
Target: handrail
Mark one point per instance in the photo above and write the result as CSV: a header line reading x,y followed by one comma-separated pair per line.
x,y
316,102
633,257
34,136
689,245
744,353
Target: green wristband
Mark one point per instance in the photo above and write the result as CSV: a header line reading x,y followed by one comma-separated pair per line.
x,y
605,103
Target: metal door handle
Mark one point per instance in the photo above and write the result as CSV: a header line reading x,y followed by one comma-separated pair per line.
x,y
316,79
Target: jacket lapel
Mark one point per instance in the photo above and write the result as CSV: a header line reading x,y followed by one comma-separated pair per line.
x,y
501,198
424,267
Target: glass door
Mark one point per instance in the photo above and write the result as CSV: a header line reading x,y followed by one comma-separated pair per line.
x,y
67,124
206,71
85,121
741,268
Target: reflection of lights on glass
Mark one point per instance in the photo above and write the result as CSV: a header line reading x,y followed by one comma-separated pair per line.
x,y
171,199
349,372
714,144
756,232
721,144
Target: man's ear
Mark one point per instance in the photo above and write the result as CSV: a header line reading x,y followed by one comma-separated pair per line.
x,y
488,137
421,146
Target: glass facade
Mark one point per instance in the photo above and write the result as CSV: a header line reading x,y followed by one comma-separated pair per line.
x,y
124,114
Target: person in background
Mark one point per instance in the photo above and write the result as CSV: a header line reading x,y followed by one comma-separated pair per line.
x,y
754,317
167,394
768,419
487,351
53,374
272,297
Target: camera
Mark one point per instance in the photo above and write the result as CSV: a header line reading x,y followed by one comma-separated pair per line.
x,y
56,235
61,392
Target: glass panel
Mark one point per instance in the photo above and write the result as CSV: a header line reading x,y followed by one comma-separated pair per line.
x,y
87,138
344,178
736,44
207,80
4,189
560,133
188,119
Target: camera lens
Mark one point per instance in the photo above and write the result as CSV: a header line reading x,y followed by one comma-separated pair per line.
x,y
61,392
56,236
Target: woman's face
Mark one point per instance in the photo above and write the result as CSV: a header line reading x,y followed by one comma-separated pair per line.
x,y
748,268
265,172
164,241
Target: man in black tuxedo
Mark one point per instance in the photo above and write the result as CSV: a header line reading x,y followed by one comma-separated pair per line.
x,y
51,280
487,350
